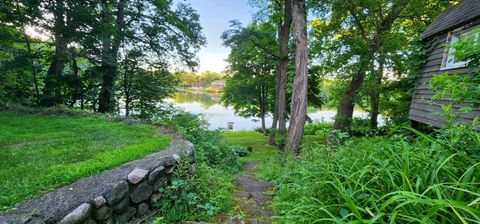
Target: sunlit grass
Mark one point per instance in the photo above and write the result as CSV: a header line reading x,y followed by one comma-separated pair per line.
x,y
265,155
40,153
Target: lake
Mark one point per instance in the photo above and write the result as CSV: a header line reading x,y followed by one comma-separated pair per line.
x,y
218,116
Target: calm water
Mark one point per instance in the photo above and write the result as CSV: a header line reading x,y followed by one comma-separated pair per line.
x,y
218,115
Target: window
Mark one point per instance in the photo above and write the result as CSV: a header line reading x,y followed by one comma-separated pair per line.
x,y
449,61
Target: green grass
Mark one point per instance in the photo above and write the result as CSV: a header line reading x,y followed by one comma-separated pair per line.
x,y
40,153
265,155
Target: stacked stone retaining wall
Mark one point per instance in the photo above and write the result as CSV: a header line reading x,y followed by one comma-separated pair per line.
x,y
114,196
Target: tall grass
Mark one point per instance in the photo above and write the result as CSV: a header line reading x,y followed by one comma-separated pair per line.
x,y
433,179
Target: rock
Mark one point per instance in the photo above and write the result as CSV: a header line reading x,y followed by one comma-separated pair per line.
x,y
159,184
142,210
155,174
136,176
155,198
116,194
169,169
141,193
103,213
176,157
78,215
189,149
121,206
125,217
99,201
35,220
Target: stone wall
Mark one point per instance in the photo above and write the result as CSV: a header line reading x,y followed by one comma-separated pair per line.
x,y
114,196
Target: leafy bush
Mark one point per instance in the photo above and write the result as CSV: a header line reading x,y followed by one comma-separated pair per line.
x,y
208,192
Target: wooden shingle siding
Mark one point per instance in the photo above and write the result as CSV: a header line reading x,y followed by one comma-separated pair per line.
x,y
423,108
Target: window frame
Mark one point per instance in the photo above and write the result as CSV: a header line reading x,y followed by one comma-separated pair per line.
x,y
452,38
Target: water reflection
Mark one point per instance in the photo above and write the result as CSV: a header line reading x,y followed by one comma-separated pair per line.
x,y
218,116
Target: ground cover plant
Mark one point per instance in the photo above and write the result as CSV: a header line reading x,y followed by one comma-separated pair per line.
x,y
384,179
43,152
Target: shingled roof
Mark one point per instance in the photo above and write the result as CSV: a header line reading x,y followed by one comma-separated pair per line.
x,y
465,12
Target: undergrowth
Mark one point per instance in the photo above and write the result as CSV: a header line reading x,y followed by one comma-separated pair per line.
x,y
389,179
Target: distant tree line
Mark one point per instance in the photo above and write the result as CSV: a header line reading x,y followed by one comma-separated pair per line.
x,y
192,79
100,55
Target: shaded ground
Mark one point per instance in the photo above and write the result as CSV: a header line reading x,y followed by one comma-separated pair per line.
x,y
252,193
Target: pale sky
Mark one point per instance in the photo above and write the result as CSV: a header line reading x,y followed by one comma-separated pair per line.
x,y
215,17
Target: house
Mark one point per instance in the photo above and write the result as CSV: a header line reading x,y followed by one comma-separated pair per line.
x,y
445,30
218,84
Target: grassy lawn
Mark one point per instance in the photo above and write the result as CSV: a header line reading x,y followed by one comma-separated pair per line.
x,y
265,155
40,153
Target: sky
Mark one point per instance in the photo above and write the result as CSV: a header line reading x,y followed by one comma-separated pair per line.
x,y
215,17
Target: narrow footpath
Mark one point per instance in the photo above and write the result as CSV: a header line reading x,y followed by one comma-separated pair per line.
x,y
251,197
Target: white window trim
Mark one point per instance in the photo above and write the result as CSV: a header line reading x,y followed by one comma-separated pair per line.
x,y
452,38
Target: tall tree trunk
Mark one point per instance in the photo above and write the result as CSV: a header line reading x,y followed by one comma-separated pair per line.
x,y
110,47
29,50
271,140
262,105
300,82
375,98
281,90
52,90
283,67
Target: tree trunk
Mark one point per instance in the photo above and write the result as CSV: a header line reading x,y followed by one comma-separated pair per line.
x,y
344,116
110,47
281,93
271,140
29,50
282,85
52,91
375,98
300,82
262,105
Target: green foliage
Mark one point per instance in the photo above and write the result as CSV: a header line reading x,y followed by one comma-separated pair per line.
x,y
250,84
190,79
208,192
384,180
43,152
461,88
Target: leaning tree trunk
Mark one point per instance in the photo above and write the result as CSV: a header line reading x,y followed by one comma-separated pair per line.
x,y
271,140
300,82
375,98
51,92
344,116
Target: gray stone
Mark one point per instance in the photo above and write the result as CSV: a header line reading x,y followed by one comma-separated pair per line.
x,y
155,198
78,215
121,206
142,210
99,201
155,174
136,176
35,220
176,157
169,169
159,184
117,192
141,193
102,213
125,217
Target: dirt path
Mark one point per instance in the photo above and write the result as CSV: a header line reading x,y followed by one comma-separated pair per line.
x,y
251,198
